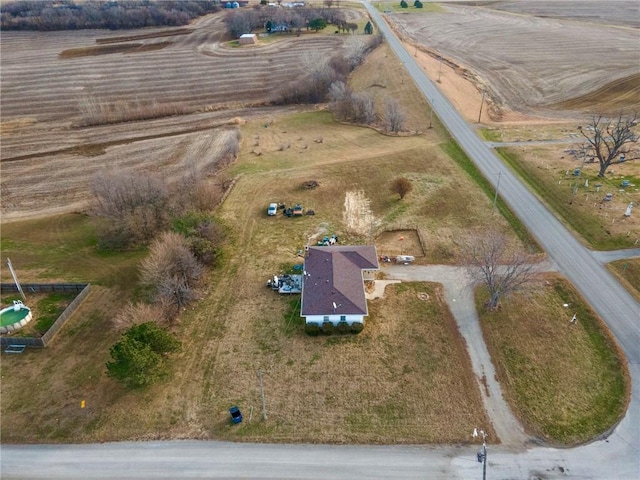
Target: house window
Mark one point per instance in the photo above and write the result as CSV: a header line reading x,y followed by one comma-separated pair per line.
x,y
343,318
326,318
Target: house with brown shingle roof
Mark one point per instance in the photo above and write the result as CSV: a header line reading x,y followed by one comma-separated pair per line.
x,y
333,286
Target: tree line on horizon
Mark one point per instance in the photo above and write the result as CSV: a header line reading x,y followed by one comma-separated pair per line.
x,y
50,15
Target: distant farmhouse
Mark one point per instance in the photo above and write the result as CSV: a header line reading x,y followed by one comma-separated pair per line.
x,y
333,287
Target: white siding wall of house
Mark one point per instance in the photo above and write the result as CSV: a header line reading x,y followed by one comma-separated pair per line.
x,y
335,319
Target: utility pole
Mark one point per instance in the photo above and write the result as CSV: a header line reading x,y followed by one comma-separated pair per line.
x,y
495,198
264,406
482,454
440,69
481,103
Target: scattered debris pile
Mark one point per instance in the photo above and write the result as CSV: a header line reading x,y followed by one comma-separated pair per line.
x,y
286,283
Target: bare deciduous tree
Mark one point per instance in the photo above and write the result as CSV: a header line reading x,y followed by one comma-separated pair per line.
x,y
340,100
402,186
364,110
171,270
134,206
502,268
394,116
611,141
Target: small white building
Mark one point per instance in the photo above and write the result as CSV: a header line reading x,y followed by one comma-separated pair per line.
x,y
248,39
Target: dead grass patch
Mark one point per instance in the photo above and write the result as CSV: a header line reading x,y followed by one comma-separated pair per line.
x,y
567,383
444,202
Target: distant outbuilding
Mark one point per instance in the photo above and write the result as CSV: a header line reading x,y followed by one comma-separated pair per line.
x,y
248,39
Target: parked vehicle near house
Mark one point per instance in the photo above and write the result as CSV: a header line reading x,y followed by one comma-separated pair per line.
x,y
272,210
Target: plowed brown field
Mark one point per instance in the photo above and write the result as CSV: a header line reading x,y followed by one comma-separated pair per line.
x,y
537,57
194,82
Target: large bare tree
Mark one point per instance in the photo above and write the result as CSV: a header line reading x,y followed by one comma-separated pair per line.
x,y
172,271
500,266
394,117
133,205
611,141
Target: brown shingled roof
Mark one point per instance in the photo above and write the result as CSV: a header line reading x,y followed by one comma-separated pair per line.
x,y
334,275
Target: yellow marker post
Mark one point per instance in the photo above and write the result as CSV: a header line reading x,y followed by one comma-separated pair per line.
x,y
82,403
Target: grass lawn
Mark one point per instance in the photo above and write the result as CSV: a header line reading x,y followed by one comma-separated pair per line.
x,y
63,249
566,383
405,379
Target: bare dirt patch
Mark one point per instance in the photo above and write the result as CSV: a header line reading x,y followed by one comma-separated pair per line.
x,y
110,49
399,242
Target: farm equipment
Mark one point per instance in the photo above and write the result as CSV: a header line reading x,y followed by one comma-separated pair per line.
x,y
295,211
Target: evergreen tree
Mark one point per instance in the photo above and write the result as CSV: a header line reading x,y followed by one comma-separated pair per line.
x,y
139,355
368,28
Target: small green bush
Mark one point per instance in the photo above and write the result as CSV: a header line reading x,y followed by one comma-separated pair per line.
x,y
343,328
312,329
404,4
140,356
357,327
328,328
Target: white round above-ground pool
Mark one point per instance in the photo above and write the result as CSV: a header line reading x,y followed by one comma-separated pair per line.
x,y
15,317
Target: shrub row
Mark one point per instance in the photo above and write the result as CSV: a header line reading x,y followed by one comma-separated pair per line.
x,y
328,328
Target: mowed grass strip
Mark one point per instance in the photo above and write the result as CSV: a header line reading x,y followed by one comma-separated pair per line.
x,y
405,379
62,248
629,271
594,229
457,154
567,383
